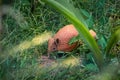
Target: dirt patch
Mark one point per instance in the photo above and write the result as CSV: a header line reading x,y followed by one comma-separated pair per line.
x,y
45,61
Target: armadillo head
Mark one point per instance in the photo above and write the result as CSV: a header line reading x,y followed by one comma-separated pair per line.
x,y
52,45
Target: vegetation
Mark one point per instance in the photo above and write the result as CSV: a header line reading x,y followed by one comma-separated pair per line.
x,y
28,24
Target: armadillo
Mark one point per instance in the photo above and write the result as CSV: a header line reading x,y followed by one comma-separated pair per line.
x,y
60,41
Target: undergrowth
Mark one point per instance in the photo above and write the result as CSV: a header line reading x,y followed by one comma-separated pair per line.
x,y
21,62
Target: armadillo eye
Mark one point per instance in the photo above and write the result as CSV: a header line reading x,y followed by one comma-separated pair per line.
x,y
54,49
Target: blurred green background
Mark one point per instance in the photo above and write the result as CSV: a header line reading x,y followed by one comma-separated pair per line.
x,y
28,24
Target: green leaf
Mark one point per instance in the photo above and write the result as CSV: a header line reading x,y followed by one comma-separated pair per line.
x,y
91,67
74,39
102,42
88,18
90,22
85,13
73,14
115,37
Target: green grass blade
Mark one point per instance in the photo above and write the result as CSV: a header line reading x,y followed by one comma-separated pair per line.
x,y
115,37
80,26
78,13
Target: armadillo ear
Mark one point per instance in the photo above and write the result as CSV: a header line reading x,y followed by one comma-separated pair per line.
x,y
57,41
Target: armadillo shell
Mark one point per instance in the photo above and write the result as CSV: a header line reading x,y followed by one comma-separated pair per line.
x,y
67,47
64,35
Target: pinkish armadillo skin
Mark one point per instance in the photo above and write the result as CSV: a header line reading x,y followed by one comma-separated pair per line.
x,y
64,35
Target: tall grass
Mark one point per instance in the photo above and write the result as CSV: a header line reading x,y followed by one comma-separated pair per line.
x,y
21,44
